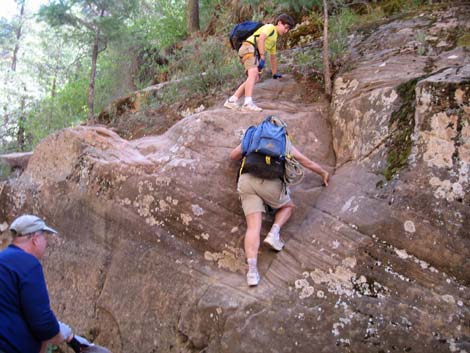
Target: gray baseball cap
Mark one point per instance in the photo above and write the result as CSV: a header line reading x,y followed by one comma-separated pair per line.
x,y
27,224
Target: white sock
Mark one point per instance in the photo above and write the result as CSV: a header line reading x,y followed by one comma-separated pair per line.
x,y
233,99
248,100
275,230
252,264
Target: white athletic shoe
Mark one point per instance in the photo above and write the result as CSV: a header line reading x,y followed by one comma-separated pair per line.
x,y
252,278
231,105
251,107
274,241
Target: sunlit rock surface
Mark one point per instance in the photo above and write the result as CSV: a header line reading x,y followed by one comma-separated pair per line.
x,y
151,255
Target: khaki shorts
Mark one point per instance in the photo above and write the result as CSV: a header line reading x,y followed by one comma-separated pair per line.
x,y
255,192
246,53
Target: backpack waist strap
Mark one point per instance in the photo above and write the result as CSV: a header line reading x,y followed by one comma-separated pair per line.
x,y
247,56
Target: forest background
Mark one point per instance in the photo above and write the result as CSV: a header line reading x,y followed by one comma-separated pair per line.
x,y
63,62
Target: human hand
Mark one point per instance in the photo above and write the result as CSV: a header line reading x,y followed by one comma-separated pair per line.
x,y
261,65
326,177
66,331
79,344
276,76
83,341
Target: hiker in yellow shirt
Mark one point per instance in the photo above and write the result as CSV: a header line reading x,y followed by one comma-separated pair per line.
x,y
252,54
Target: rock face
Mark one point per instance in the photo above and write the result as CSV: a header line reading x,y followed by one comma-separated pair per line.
x,y
14,163
152,231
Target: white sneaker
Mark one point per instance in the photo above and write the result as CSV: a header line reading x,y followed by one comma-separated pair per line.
x,y
251,107
274,241
231,105
252,278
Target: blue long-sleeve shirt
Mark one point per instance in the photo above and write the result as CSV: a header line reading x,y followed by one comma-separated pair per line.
x,y
26,318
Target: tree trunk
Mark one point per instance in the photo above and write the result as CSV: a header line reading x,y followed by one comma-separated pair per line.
x,y
54,84
14,59
326,52
20,135
192,16
91,86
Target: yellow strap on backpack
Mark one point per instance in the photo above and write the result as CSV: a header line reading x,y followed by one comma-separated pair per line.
x,y
268,160
241,167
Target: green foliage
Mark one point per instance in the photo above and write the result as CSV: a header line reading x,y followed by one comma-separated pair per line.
x,y
308,58
66,109
203,68
113,76
208,9
7,35
340,24
464,40
307,31
51,348
5,171
300,5
391,7
161,25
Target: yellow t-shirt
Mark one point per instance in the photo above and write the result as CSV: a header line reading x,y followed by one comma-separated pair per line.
x,y
271,33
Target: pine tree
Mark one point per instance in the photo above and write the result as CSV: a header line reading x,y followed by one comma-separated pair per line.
x,y
95,22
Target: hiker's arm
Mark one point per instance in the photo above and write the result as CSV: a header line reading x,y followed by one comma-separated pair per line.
x,y
57,339
273,60
311,165
260,43
236,153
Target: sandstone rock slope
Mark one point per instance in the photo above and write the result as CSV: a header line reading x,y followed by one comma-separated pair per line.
x,y
151,253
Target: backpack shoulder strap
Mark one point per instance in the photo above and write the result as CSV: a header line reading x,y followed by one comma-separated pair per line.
x,y
256,36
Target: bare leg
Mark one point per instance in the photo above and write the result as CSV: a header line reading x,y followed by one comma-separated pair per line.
x,y
253,228
246,88
283,214
281,217
240,90
253,77
253,223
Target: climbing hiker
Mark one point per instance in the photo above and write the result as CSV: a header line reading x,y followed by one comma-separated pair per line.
x,y
27,323
252,55
260,183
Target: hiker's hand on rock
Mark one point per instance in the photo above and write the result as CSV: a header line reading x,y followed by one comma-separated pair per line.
x,y
66,331
276,76
261,65
83,341
326,177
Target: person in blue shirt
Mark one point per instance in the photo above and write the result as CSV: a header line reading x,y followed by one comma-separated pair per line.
x,y
27,322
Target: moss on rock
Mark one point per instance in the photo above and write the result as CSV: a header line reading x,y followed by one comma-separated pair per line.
x,y
464,40
401,125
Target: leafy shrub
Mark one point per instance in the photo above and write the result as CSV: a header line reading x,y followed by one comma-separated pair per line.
x,y
204,67
66,109
308,58
340,24
392,7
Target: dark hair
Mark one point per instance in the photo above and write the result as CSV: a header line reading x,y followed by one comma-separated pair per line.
x,y
286,20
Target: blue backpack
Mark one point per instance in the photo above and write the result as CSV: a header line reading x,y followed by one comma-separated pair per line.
x,y
264,150
242,31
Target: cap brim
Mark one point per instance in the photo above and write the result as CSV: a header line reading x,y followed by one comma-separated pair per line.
x,y
49,229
